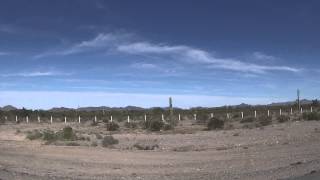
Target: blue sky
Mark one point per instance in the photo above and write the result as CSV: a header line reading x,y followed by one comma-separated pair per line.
x,y
117,53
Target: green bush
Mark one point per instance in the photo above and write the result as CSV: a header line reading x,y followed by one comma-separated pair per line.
x,y
67,133
131,125
112,126
264,121
311,116
49,135
167,127
247,119
108,141
155,125
35,134
283,118
215,123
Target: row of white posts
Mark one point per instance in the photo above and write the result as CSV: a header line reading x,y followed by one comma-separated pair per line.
x,y
162,116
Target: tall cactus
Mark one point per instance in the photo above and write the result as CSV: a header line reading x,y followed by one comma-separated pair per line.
x,y
171,111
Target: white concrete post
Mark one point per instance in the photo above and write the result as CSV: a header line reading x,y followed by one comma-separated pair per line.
x,y
128,119
27,119
255,113
241,115
195,117
145,118
211,115
6,118
65,120
79,119
227,115
301,110
51,119
111,119
291,111
268,112
162,117
280,112
38,119
95,118
16,118
311,109
179,117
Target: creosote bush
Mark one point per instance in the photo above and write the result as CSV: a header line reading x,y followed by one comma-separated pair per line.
x,y
283,118
311,116
215,123
131,125
167,127
109,141
247,119
112,126
264,121
155,125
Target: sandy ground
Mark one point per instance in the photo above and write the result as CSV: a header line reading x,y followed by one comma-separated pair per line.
x,y
278,151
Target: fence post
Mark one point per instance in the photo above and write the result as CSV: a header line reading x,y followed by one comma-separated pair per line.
x,y
95,118
38,119
145,118
162,117
227,115
51,119
211,115
111,118
128,119
16,118
291,111
195,117
301,110
280,112
179,117
311,109
241,115
255,114
27,119
65,120
79,119
268,112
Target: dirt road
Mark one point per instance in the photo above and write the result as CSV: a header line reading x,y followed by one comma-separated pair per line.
x,y
275,152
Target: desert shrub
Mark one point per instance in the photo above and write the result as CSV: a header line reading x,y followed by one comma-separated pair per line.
x,y
202,118
67,133
108,141
142,146
236,116
283,118
311,116
72,144
247,120
49,135
94,144
167,127
155,125
35,134
264,121
112,126
215,123
98,136
131,125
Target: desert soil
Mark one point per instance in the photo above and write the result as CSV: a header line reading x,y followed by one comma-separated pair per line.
x,y
278,151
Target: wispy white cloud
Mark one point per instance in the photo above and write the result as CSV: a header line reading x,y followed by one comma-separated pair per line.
x,y
36,74
124,43
263,56
4,53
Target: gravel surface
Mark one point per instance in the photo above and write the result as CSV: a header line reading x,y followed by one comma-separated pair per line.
x,y
280,151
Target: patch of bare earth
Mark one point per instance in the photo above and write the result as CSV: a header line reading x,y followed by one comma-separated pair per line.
x,y
274,152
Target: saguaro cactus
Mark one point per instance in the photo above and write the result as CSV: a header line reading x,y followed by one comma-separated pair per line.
x,y
171,111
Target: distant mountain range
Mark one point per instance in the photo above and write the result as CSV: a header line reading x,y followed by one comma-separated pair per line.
x,y
129,108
